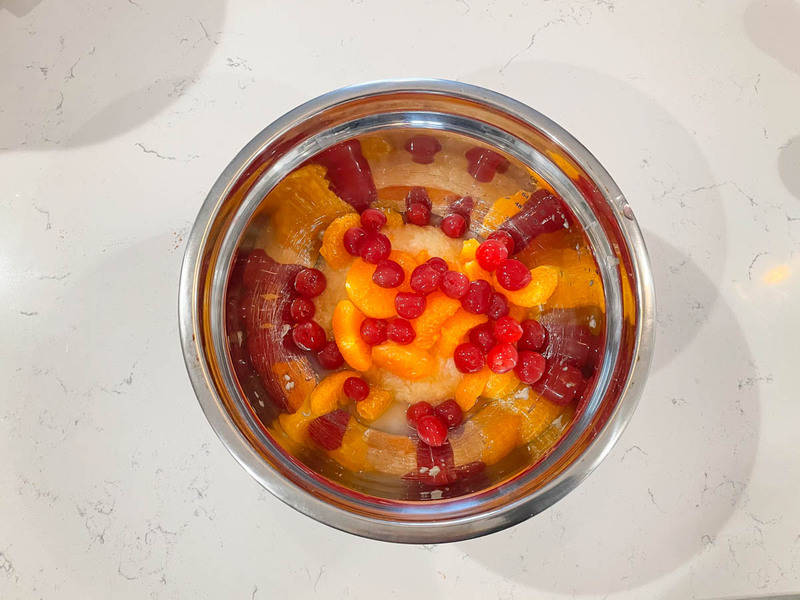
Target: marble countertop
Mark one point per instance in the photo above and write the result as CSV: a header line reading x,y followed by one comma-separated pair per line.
x,y
117,116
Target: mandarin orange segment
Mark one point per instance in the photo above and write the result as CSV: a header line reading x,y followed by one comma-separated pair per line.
x,y
347,333
370,298
328,394
333,250
545,440
352,454
438,309
393,218
296,380
544,280
410,362
374,405
471,387
474,271
421,256
518,313
296,424
540,416
454,329
501,385
500,429
468,250
409,263
504,208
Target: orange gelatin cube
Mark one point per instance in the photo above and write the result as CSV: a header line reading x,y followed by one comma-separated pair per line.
x,y
501,385
333,250
455,328
500,429
504,208
438,309
328,394
544,280
410,362
347,333
374,405
471,387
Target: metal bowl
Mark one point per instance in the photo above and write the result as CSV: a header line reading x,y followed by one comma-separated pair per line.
x,y
534,144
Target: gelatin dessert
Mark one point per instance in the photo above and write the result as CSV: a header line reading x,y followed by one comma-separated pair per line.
x,y
411,338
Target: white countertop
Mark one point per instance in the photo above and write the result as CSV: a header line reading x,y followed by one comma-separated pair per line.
x,y
115,119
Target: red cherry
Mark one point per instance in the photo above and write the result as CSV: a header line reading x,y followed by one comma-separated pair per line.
x,y
432,430
310,283
483,163
309,336
490,254
301,309
468,358
477,298
530,366
463,206
355,388
400,331
502,358
388,274
418,195
372,219
438,263
418,214
505,238
450,412
409,305
349,174
498,306
328,430
375,248
506,329
513,275
425,278
353,239
373,331
542,213
534,336
454,225
561,384
454,284
422,148
417,410
483,337
329,357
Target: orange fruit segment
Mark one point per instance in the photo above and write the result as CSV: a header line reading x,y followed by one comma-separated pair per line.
x,y
500,429
438,309
409,361
504,208
474,271
539,417
333,250
352,454
468,250
370,298
393,218
470,388
347,333
296,380
296,424
454,329
328,394
374,405
544,280
501,385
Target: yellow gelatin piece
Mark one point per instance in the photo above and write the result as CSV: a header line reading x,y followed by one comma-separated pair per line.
x,y
333,250
328,394
501,385
410,362
374,405
347,333
375,147
474,271
504,208
540,416
295,425
468,250
438,309
544,280
500,429
471,387
454,329
352,454
296,380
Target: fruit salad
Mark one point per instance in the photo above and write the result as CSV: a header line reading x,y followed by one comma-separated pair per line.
x,y
385,327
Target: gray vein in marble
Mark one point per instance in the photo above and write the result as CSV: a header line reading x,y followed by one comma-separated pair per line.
x,y
55,277
466,6
634,447
26,313
46,213
147,150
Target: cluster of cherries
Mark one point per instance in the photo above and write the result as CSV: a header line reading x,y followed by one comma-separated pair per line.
x,y
433,422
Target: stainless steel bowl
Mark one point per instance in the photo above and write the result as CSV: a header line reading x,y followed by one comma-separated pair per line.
x,y
493,120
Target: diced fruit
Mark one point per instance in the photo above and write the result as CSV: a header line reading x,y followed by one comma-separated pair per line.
x,y
329,357
375,247
505,238
372,219
373,331
432,430
483,337
490,254
542,213
468,358
310,283
346,330
468,250
418,214
498,306
561,384
338,244
388,274
438,263
502,358
455,328
409,305
501,385
477,298
349,174
409,361
512,275
309,336
470,388
429,324
502,209
506,329
450,412
422,148
425,278
544,280
355,388
484,163
418,195
328,395
534,336
454,225
417,410
374,405
475,272
400,331
500,429
530,366
301,309
454,284
328,430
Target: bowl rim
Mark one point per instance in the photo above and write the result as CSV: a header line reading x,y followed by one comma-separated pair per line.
x,y
425,531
